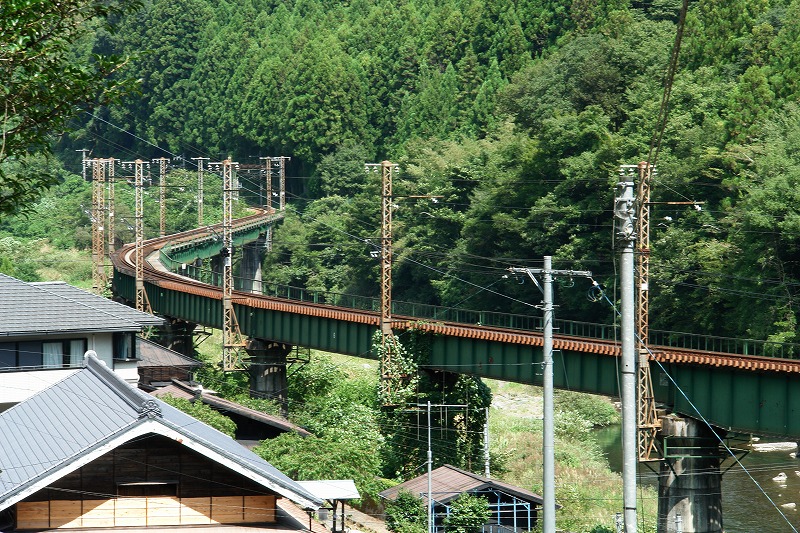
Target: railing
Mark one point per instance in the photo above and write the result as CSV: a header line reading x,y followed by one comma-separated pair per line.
x,y
570,328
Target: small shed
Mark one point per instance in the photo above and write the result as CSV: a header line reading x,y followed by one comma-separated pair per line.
x,y
333,491
514,509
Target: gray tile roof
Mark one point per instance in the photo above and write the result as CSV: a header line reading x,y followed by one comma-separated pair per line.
x,y
57,308
93,411
152,354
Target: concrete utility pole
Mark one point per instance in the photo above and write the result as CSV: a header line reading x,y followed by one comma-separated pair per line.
x,y
200,188
283,159
268,181
624,211
84,161
111,207
548,429
162,194
486,472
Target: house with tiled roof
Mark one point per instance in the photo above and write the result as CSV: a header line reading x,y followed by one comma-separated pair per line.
x,y
514,509
93,451
46,328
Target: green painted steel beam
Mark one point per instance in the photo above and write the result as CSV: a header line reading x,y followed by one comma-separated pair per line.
x,y
739,400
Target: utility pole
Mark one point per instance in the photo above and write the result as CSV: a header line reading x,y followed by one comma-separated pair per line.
x,y
232,340
98,231
548,426
387,340
624,211
268,177
430,459
200,189
283,159
389,382
162,195
84,161
111,206
142,301
486,472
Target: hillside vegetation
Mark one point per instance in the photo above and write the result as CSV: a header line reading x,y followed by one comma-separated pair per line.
x,y
517,114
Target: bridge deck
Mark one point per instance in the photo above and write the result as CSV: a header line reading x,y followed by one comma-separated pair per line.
x,y
742,393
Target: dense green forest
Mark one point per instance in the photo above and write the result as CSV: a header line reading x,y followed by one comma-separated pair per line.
x,y
516,113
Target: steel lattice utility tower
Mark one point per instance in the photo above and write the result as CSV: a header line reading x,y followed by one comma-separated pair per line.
x,y
162,195
232,340
99,278
388,380
199,189
142,301
647,420
111,207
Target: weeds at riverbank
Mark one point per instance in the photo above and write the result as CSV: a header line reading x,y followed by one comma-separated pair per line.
x,y
589,493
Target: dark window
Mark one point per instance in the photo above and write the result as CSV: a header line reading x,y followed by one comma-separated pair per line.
x,y
30,353
124,346
8,355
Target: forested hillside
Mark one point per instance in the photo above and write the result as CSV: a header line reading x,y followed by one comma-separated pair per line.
x,y
517,114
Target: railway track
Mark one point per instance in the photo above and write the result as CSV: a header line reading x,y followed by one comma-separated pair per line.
x,y
156,274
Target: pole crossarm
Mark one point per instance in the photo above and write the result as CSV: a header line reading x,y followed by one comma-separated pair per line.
x,y
548,426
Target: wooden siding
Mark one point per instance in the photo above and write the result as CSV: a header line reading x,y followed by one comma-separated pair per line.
x,y
156,511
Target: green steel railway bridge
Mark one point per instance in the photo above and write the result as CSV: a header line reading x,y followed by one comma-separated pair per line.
x,y
737,386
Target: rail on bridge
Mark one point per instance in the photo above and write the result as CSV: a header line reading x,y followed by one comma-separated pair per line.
x,y
745,386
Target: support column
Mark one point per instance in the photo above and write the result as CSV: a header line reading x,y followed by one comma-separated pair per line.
x,y
250,269
267,370
177,335
217,265
690,484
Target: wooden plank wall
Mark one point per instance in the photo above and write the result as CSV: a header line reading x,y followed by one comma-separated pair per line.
x,y
121,512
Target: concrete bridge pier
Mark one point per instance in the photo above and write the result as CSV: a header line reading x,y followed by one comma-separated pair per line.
x,y
178,335
267,370
690,481
217,270
250,269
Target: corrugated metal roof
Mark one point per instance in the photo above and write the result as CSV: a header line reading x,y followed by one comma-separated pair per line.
x,y
57,430
28,309
152,354
448,482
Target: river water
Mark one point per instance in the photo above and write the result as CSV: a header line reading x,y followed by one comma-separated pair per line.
x,y
745,508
